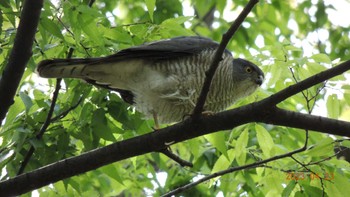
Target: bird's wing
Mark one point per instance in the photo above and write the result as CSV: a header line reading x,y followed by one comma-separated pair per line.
x,y
165,49
159,50
109,71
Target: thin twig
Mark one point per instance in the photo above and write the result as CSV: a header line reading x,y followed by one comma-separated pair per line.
x,y
176,158
43,127
47,121
233,169
220,173
218,57
306,83
49,115
64,113
308,169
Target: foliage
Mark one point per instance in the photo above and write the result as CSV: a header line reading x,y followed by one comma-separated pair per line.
x,y
276,36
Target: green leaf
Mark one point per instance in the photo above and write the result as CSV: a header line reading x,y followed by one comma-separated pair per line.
x,y
26,100
340,182
37,143
99,125
51,27
117,111
117,34
218,140
276,70
113,172
173,27
264,139
321,58
347,98
312,191
179,20
314,67
150,7
346,87
292,48
5,155
346,143
333,106
89,11
15,110
241,147
288,190
222,163
90,28
324,147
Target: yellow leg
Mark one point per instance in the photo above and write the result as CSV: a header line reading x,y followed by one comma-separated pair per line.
x,y
156,123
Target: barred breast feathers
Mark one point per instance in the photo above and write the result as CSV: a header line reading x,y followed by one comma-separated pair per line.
x,y
189,74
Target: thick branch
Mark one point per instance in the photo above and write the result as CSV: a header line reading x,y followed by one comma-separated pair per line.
x,y
218,57
156,141
306,121
20,54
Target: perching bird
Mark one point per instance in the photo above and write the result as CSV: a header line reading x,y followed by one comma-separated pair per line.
x,y
163,79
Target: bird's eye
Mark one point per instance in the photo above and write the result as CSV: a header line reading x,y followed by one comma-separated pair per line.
x,y
248,69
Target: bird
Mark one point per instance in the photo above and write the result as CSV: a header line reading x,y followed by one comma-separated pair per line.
x,y
163,79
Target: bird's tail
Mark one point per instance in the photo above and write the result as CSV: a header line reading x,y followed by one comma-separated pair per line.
x,y
64,68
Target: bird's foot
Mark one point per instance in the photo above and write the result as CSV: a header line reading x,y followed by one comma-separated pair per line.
x,y
208,113
156,123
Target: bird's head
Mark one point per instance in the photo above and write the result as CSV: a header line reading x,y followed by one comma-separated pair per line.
x,y
247,76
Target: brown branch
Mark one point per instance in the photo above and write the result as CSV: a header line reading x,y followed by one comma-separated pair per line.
x,y
155,141
305,121
218,57
20,54
176,158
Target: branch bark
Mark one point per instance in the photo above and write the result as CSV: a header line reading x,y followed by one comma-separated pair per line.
x,y
263,111
20,54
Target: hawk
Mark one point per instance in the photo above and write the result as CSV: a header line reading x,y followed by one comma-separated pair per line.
x,y
163,79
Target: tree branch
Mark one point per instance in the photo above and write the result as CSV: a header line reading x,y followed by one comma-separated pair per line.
x,y
20,54
43,127
47,121
218,57
155,141
65,113
233,169
306,121
263,111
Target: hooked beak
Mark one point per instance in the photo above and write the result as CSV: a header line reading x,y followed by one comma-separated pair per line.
x,y
259,80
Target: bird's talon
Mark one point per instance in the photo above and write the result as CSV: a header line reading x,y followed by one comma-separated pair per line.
x,y
169,143
208,113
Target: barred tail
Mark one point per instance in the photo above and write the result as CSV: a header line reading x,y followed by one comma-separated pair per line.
x,y
63,68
